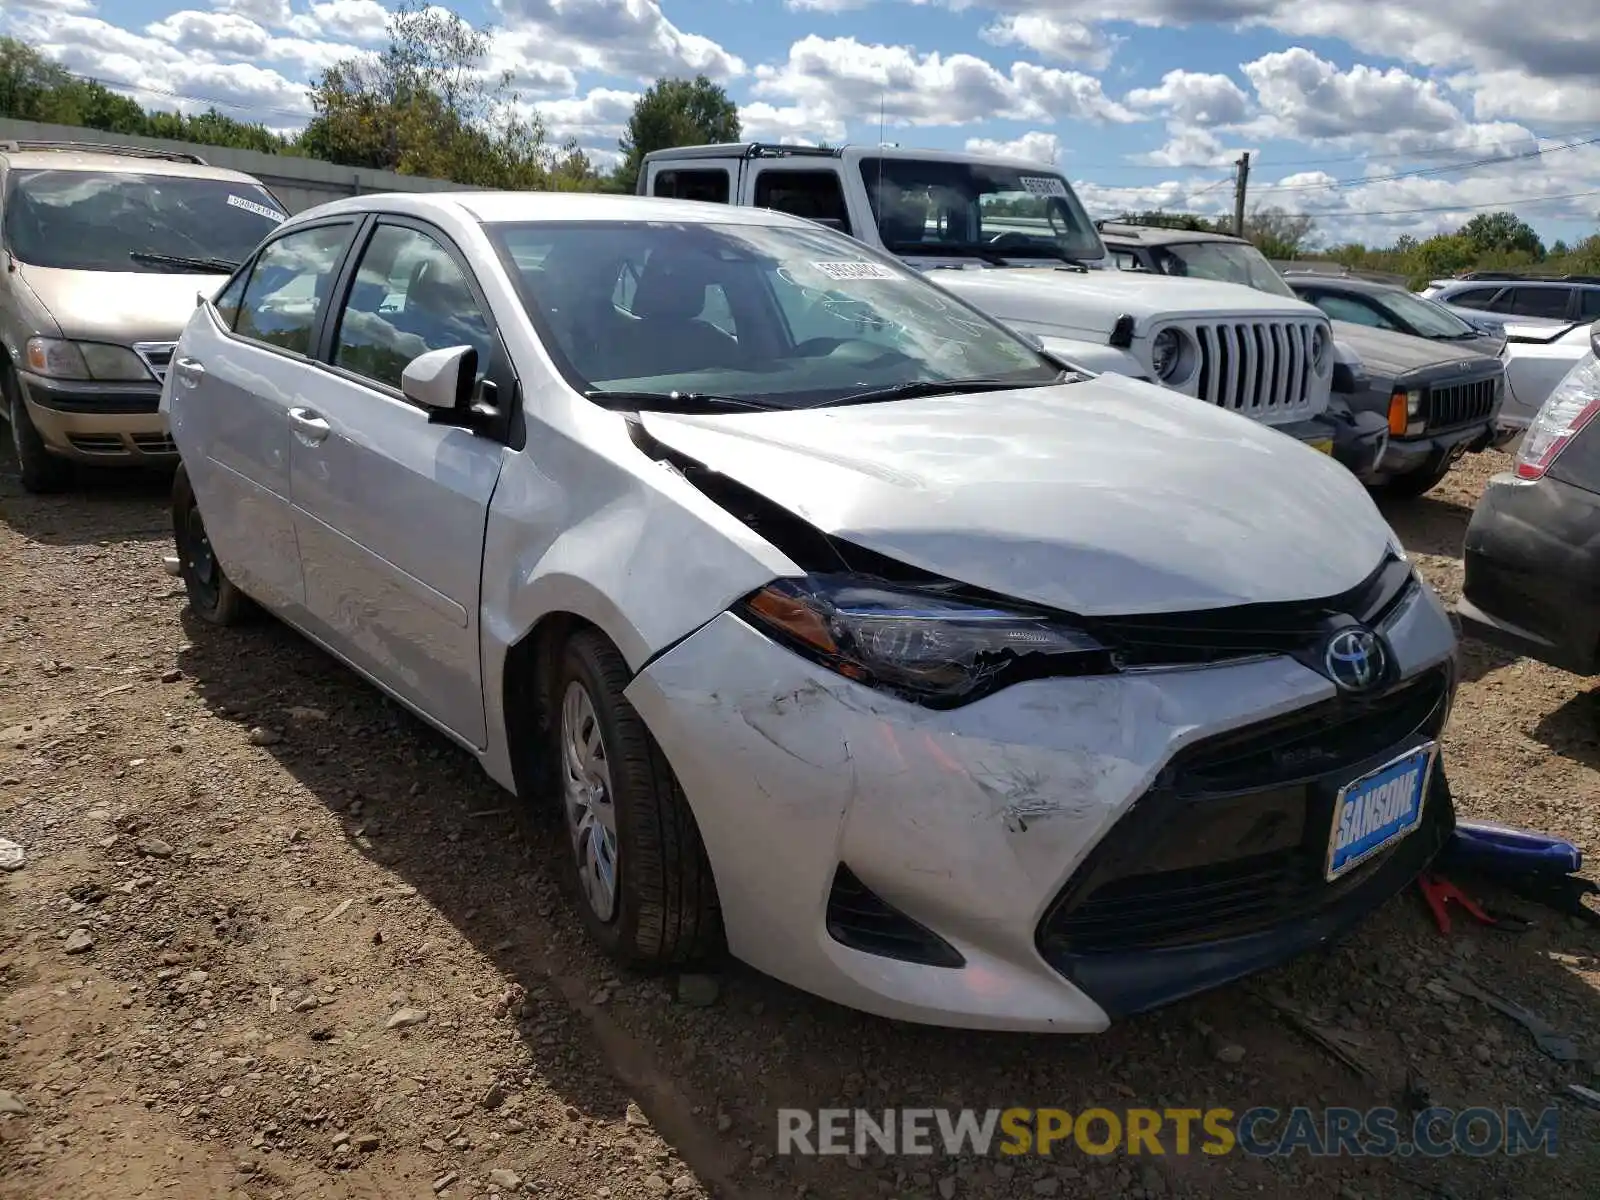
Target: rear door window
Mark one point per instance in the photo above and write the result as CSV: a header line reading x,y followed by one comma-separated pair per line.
x,y
1535,301
708,185
1482,297
815,195
1589,303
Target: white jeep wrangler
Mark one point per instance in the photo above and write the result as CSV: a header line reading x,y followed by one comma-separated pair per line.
x,y
1012,238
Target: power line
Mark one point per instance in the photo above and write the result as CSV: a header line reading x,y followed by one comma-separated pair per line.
x,y
1516,202
1423,152
147,89
1363,180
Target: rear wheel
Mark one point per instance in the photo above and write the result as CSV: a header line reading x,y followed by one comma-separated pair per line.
x,y
644,883
212,594
41,471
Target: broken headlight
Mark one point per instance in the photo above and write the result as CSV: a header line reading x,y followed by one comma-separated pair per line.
x,y
924,645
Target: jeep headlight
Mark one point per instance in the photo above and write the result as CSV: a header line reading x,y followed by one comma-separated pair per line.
x,y
56,358
1321,344
1166,354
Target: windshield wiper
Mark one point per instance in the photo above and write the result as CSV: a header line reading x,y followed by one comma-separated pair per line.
x,y
673,399
221,266
1043,250
946,250
941,387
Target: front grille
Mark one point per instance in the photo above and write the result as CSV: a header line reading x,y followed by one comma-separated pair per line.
x,y
1232,838
861,919
1295,628
1258,368
97,443
1460,403
156,355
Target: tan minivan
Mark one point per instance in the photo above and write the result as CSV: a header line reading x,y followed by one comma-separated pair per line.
x,y
102,252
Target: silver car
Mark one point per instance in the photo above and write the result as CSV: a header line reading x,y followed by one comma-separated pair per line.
x,y
852,634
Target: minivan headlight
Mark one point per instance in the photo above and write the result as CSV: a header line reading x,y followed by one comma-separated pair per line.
x,y
57,358
925,646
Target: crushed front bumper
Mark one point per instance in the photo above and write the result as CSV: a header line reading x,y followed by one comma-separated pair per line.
x,y
913,832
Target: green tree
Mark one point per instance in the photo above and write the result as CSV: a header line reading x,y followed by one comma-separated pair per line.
x,y
1504,233
427,105
675,112
1278,233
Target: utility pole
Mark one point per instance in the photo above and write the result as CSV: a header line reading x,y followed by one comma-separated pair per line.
x,y
1240,180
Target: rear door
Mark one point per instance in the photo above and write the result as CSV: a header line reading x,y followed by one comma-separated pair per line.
x,y
389,509
238,370
802,187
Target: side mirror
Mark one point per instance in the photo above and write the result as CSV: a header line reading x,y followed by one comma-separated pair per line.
x,y
441,380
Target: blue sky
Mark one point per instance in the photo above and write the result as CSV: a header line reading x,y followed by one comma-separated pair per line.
x,y
1375,116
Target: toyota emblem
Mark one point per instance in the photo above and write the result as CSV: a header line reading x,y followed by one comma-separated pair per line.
x,y
1354,659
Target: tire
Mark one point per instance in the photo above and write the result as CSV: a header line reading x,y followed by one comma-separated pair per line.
x,y
661,909
1416,484
43,473
212,595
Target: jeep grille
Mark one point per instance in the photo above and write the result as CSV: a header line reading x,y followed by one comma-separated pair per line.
x,y
1261,369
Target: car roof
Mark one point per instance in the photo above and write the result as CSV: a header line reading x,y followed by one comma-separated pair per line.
x,y
1160,235
1497,284
846,153
499,208
111,161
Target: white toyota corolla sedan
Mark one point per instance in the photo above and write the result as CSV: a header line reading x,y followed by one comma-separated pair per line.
x,y
852,634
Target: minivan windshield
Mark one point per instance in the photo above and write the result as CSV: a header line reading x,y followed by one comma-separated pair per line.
x,y
1226,262
665,314
928,206
126,221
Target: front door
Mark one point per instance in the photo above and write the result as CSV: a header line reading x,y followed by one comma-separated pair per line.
x,y
240,369
389,509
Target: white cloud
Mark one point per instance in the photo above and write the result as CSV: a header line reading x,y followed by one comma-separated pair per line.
x,y
600,117
352,20
793,123
849,80
1063,41
211,32
1308,97
1191,98
628,38
1034,146
273,13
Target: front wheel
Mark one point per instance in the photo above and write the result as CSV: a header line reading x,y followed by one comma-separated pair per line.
x,y
212,595
42,472
644,883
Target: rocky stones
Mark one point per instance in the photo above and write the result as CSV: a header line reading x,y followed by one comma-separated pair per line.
x,y
262,736
11,1103
404,1018
1230,1053
697,991
11,856
154,847
506,1180
79,941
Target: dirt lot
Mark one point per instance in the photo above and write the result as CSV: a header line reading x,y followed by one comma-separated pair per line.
x,y
277,873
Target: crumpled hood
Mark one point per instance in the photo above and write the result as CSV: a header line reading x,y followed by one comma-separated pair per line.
x,y
1041,299
1100,498
118,306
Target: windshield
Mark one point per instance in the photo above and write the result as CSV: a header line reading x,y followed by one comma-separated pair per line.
x,y
924,206
768,315
120,221
1226,262
1427,318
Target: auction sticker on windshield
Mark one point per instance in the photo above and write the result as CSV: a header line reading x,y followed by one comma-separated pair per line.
x,y
853,270
261,210
1044,185
1379,809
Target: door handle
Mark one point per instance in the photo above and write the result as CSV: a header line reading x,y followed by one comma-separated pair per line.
x,y
190,370
308,425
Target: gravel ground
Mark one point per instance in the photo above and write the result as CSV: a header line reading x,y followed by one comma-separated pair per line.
x,y
273,938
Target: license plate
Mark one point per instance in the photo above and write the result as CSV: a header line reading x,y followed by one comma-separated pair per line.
x,y
1380,808
1324,444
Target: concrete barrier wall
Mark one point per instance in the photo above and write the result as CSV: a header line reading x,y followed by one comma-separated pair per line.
x,y
301,183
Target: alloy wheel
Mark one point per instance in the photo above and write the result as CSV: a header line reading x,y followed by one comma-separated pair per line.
x,y
590,811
